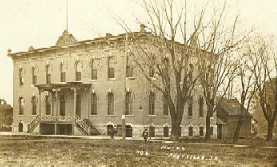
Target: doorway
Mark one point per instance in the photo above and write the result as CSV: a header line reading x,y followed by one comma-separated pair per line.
x,y
219,131
20,127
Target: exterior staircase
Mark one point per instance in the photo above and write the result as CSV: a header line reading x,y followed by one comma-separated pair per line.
x,y
82,125
93,130
34,123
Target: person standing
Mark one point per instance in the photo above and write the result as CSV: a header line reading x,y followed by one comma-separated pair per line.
x,y
145,135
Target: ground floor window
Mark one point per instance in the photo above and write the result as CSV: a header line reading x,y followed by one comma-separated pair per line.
x,y
20,127
201,131
152,131
129,131
190,131
166,131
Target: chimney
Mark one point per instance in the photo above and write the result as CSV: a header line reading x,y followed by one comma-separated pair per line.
x,y
142,28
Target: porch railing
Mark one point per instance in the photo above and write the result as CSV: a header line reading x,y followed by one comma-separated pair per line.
x,y
34,123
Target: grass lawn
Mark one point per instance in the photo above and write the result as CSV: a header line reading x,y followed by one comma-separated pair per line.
x,y
112,153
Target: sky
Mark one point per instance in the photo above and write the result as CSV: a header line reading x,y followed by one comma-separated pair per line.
x,y
39,23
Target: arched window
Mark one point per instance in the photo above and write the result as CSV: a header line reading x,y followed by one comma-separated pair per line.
x,y
34,76
34,105
78,71
62,73
110,103
93,69
129,68
93,104
111,67
128,103
20,75
47,105
21,105
62,105
151,103
201,104
48,74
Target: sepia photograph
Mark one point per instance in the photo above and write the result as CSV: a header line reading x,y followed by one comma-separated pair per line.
x,y
138,83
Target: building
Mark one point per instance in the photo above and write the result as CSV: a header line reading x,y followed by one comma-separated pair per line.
x,y
229,112
258,115
6,116
86,87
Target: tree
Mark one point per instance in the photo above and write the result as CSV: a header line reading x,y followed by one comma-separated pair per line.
x,y
171,51
266,65
246,84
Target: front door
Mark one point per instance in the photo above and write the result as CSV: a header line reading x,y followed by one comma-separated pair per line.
x,y
219,131
78,106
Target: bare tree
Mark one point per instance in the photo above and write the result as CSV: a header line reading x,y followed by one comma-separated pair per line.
x,y
172,51
246,84
264,70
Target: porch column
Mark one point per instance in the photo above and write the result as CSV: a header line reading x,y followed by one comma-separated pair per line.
x,y
75,102
39,101
57,103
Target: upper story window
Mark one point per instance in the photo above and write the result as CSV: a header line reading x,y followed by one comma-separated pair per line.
x,y
34,76
34,105
129,68
93,104
110,103
93,69
190,104
151,103
201,106
20,75
78,71
47,105
128,103
48,74
111,67
165,105
21,105
62,73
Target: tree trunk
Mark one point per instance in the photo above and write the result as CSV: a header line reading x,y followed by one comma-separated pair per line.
x,y
175,130
270,127
208,126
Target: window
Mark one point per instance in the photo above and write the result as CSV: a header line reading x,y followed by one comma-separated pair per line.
x,y
128,103
21,105
110,103
151,72
34,76
201,131
34,105
129,69
20,73
111,67
152,131
62,73
166,131
47,105
165,105
151,103
62,105
190,103
93,104
93,70
190,131
78,71
48,75
201,104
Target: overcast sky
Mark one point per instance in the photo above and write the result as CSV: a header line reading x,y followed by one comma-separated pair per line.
x,y
39,23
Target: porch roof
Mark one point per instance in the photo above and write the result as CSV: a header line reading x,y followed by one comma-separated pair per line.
x,y
62,85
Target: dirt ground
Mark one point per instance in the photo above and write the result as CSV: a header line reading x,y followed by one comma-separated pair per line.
x,y
116,153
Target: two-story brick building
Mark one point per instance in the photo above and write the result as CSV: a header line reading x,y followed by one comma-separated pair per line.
x,y
85,87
